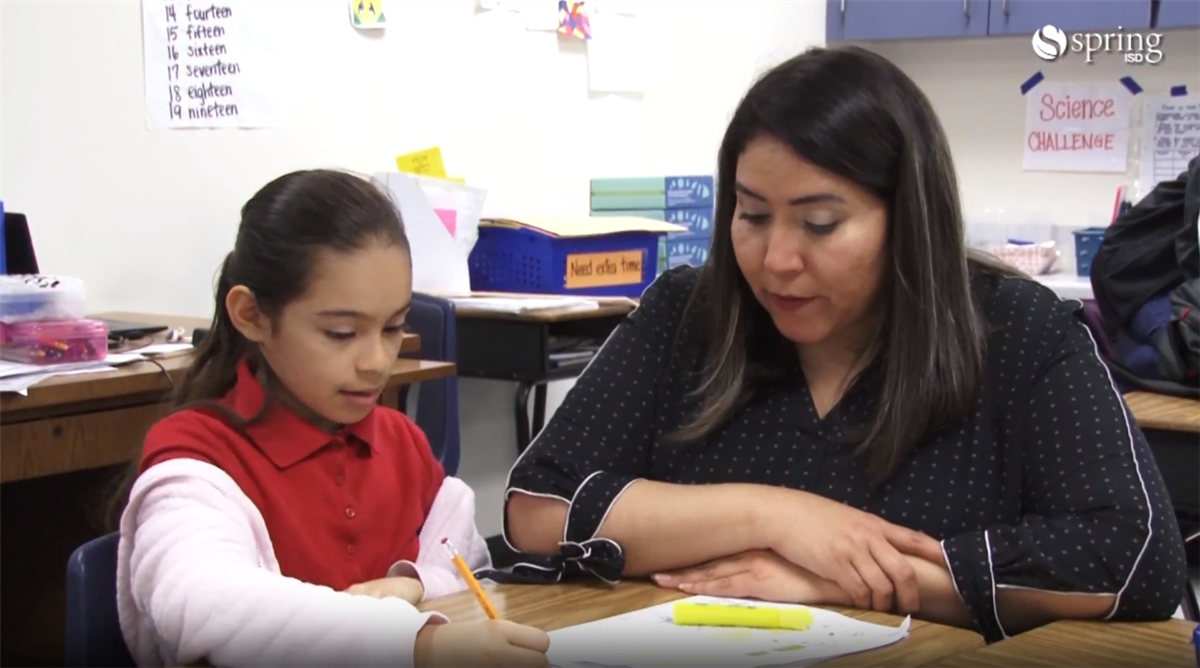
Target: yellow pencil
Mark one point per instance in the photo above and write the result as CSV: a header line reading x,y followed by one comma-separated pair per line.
x,y
465,571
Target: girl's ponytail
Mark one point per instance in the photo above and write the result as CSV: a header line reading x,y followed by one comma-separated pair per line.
x,y
214,370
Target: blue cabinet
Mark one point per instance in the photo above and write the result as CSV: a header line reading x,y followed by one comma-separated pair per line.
x,y
1024,17
1178,14
904,19
918,19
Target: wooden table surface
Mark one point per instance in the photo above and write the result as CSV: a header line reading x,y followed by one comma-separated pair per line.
x,y
130,383
1158,411
1097,644
551,607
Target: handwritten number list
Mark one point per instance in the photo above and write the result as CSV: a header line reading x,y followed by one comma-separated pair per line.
x,y
204,65
1176,138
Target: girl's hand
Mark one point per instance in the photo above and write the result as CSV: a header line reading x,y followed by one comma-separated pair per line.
x,y
759,574
409,589
481,643
861,552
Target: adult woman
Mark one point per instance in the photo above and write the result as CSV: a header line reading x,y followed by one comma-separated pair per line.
x,y
841,387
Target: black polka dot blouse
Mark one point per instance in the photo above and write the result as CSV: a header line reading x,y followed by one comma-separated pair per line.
x,y
1047,485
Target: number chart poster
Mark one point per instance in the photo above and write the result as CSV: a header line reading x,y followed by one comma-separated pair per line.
x,y
209,65
1077,128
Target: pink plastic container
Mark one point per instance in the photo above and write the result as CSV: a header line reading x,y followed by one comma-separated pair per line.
x,y
54,341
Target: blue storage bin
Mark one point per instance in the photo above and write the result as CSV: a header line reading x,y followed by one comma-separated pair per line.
x,y
520,259
1087,243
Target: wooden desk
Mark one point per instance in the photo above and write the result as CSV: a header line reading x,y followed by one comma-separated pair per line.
x,y
93,420
516,347
1158,411
63,449
1099,644
550,607
1172,429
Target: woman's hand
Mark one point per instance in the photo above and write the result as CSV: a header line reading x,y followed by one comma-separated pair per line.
x,y
481,643
859,551
409,589
758,574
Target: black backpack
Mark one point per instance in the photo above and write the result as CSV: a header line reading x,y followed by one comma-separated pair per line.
x,y
1150,251
1178,343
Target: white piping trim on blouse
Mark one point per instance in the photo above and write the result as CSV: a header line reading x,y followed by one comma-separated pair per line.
x,y
1136,467
987,544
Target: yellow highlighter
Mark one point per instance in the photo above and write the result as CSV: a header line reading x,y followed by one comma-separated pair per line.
x,y
707,614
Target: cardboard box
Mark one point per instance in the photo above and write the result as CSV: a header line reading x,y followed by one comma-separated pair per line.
x,y
698,221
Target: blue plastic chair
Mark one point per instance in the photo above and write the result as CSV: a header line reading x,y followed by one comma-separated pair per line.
x,y
433,319
93,627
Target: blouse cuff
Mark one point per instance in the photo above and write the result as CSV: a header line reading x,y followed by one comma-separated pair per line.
x,y
580,551
969,558
591,504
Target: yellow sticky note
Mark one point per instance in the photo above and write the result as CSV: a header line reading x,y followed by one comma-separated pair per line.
x,y
425,163
367,14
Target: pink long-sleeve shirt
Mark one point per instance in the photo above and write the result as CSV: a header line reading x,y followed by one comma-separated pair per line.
x,y
236,544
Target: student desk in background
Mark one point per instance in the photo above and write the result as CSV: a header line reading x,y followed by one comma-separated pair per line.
x,y
1090,643
87,421
517,346
551,607
62,451
1172,429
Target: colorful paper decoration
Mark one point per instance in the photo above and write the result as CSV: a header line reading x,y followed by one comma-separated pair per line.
x,y
573,19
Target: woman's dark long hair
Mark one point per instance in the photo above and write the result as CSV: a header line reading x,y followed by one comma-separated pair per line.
x,y
856,115
282,228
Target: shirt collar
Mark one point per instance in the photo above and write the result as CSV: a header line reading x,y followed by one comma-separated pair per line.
x,y
284,437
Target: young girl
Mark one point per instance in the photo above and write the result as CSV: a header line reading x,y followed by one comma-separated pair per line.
x,y
280,515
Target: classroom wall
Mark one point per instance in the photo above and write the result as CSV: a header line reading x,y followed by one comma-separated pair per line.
x,y
145,216
974,87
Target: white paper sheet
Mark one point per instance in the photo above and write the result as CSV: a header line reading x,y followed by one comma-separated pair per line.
x,y
1077,128
522,305
439,261
617,60
540,15
211,65
1170,138
21,384
649,637
628,7
159,349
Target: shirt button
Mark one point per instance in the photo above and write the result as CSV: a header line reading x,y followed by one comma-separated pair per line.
x,y
351,549
350,512
340,478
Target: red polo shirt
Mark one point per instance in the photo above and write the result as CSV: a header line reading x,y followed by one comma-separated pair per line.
x,y
340,508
